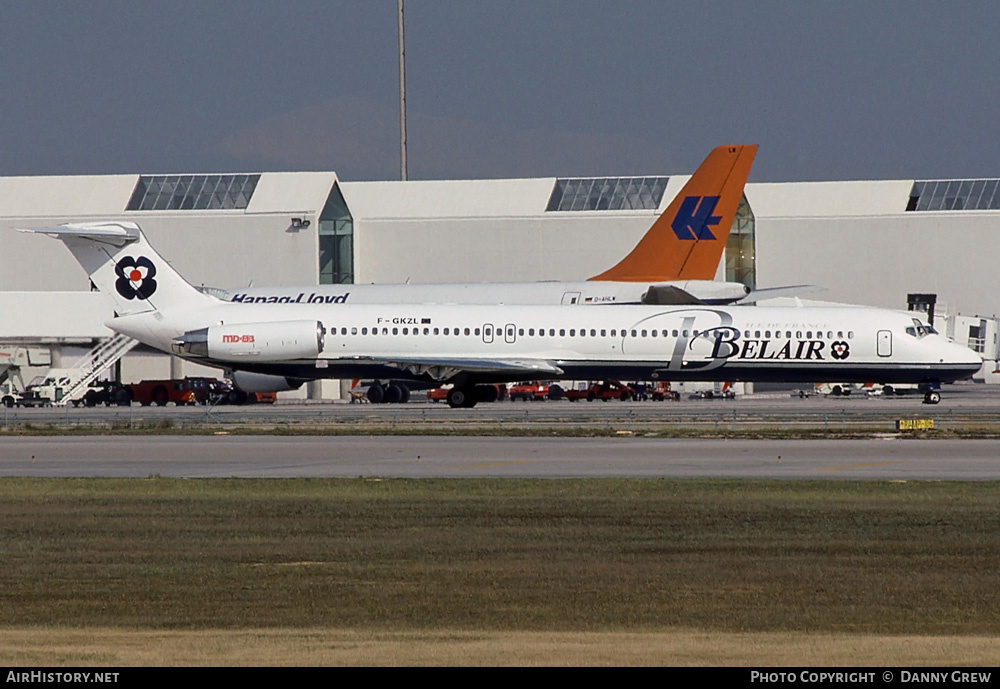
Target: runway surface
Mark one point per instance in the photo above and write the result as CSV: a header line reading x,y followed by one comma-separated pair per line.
x,y
456,457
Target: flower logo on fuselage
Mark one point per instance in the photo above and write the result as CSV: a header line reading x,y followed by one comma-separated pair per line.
x,y
135,277
840,350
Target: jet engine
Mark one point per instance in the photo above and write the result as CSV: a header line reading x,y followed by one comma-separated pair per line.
x,y
278,341
262,382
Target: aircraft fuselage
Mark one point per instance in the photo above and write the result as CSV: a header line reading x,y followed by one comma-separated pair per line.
x,y
498,343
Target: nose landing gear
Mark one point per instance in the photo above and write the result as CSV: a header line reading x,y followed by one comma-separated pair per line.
x,y
931,393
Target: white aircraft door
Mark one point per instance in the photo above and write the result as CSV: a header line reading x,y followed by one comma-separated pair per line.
x,y
885,343
570,298
488,333
509,333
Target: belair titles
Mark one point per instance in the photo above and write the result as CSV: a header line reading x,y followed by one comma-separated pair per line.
x,y
714,346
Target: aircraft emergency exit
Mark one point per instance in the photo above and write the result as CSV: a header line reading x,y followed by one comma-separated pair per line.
x,y
476,345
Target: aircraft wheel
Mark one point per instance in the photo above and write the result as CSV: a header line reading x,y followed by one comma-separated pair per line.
x,y
487,393
376,394
461,397
932,397
393,395
406,394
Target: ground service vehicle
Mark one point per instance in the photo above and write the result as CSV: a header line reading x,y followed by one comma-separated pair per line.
x,y
107,393
662,391
533,391
192,390
437,394
607,390
42,391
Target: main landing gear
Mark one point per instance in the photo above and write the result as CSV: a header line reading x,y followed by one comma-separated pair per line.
x,y
388,394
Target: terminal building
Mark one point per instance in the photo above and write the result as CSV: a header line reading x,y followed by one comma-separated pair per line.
x,y
865,242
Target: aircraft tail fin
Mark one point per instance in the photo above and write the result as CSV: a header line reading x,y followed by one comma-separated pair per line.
x,y
123,266
687,241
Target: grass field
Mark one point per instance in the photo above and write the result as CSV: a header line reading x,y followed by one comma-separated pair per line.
x,y
414,571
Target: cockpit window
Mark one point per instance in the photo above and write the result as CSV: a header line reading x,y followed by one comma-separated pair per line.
x,y
919,329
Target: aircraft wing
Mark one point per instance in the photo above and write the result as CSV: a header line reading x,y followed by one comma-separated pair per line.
x,y
444,368
777,292
668,295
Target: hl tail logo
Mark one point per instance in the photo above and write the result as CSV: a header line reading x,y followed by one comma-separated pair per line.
x,y
695,217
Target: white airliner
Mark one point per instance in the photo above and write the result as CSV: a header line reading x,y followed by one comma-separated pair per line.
x,y
472,346
674,262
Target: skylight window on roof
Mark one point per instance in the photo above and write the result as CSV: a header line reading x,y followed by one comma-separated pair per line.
x,y
192,192
955,195
607,194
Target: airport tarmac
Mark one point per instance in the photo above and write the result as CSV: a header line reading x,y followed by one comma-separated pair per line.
x,y
457,457
964,402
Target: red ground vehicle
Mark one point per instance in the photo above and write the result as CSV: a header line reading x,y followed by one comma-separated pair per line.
x,y
534,391
438,394
662,392
237,396
193,390
608,390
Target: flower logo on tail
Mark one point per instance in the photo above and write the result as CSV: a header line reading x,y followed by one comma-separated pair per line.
x,y
136,277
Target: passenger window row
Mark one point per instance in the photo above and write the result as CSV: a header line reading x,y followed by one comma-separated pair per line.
x,y
603,332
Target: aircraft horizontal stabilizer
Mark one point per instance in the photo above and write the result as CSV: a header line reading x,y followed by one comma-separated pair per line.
x,y
118,233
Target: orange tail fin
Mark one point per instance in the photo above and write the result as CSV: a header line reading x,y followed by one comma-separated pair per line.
x,y
687,241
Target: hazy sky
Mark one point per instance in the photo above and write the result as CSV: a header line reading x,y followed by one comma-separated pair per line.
x,y
522,88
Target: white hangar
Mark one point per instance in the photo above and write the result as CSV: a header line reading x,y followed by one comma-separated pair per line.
x,y
866,242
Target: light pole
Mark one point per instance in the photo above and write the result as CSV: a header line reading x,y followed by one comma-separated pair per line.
x,y
402,95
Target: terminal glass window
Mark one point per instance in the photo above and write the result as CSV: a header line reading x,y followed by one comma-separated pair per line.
x,y
336,241
192,192
741,260
607,194
955,195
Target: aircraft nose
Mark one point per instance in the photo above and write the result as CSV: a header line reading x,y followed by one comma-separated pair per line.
x,y
964,356
971,356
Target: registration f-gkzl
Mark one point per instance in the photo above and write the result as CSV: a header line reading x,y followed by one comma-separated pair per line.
x,y
473,346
